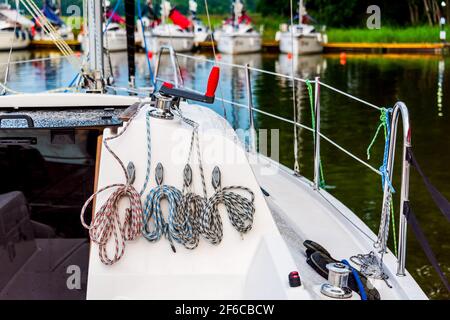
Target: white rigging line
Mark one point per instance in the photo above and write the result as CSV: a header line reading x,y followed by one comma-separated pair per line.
x,y
5,81
52,32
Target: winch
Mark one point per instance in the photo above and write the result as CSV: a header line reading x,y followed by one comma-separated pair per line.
x,y
336,287
169,97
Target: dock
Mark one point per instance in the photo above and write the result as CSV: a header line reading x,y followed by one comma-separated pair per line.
x,y
437,48
271,46
46,44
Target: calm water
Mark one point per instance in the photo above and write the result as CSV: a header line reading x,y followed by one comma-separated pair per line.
x,y
422,82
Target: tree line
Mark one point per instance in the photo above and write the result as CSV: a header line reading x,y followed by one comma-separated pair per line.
x,y
353,13
334,13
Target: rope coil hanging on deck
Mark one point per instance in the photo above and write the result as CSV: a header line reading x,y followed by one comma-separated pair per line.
x,y
239,208
155,226
106,221
184,207
192,204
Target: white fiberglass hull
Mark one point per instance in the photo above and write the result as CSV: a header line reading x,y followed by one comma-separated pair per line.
x,y
178,43
200,37
239,43
113,41
18,40
64,32
303,44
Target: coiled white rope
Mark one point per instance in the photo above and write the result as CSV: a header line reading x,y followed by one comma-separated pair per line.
x,y
106,221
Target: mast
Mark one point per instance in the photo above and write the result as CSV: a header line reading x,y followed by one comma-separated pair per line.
x,y
95,24
129,21
300,12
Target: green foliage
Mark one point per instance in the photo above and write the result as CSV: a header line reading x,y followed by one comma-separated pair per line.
x,y
386,34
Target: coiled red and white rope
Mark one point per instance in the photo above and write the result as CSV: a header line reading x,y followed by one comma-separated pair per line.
x,y
106,222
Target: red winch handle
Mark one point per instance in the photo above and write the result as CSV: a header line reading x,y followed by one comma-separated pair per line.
x,y
213,81
208,97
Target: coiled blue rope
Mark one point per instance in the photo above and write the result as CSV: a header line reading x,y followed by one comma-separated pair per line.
x,y
155,226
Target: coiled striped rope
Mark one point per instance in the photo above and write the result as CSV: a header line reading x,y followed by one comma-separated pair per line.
x,y
192,204
106,221
184,207
239,208
155,226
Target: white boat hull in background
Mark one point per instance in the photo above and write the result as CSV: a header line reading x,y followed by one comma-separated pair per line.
x,y
239,43
179,44
113,41
64,32
303,44
19,40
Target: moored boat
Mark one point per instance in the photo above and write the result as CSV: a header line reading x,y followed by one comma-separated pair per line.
x,y
237,34
114,35
300,38
14,29
52,13
200,30
159,33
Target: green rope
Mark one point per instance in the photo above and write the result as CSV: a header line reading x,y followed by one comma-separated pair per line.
x,y
313,125
383,124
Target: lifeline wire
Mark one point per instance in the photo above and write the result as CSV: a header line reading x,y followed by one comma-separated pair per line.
x,y
106,221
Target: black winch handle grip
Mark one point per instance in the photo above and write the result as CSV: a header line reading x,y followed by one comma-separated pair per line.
x,y
208,97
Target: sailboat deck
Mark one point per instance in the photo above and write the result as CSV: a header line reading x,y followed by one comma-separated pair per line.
x,y
302,213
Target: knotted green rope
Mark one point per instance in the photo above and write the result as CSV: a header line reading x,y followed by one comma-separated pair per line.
x,y
313,125
384,124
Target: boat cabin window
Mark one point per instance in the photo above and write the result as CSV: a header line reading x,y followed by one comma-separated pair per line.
x,y
47,171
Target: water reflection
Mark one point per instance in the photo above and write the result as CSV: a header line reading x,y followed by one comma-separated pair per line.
x,y
440,93
306,67
420,81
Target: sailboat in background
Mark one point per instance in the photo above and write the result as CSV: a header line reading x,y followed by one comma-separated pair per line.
x,y
306,38
114,35
200,30
14,28
160,32
52,12
237,34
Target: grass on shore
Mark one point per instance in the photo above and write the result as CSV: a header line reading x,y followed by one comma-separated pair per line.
x,y
386,34
418,34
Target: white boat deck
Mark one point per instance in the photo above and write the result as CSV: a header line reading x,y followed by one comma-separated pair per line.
x,y
301,213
